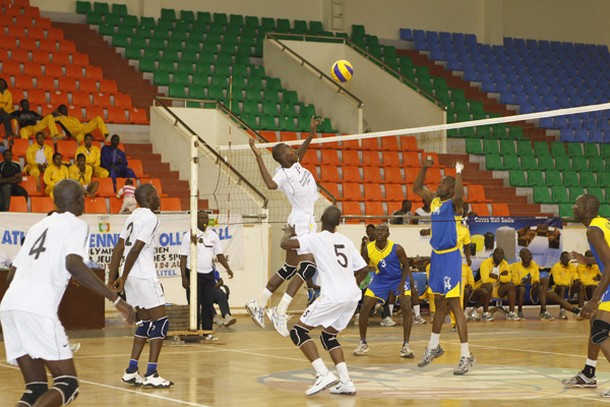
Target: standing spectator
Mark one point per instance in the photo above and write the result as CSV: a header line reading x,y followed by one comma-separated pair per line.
x,y
208,247
115,160
6,107
424,211
403,216
10,177
81,173
55,173
73,127
30,122
93,156
37,157
128,193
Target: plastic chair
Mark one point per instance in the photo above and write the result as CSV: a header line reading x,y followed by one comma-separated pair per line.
x,y
500,209
18,204
96,205
171,204
105,189
41,204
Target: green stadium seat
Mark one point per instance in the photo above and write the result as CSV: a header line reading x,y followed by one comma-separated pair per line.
x,y
358,29
181,78
167,65
528,162
83,7
268,123
95,19
196,92
119,9
300,27
580,164
563,163
553,178
101,8
605,150
147,22
251,21
270,108
591,150
516,178
220,19
507,146
511,162
168,14
558,150
307,111
570,179
287,123
161,78
303,123
187,15
491,147
473,146
524,148
535,178
147,65
542,195
604,210
133,53
541,148
107,29
575,149
575,192
596,164
587,179
559,195
315,28
137,42
204,17
546,162
565,210
516,133
597,191
493,162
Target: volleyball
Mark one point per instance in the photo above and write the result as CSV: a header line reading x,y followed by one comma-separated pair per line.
x,y
342,71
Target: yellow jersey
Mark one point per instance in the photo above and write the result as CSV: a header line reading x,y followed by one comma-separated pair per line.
x,y
54,174
564,275
83,178
588,273
93,155
518,272
487,266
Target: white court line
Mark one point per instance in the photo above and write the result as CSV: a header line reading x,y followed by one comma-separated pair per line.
x,y
190,351
527,350
262,354
138,393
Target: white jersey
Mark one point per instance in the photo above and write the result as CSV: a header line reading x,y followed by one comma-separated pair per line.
x,y
41,277
142,225
300,188
208,247
336,259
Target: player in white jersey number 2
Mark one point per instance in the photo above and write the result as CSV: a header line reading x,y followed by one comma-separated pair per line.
x,y
34,338
338,262
142,287
299,186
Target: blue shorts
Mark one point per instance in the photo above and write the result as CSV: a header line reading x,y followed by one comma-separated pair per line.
x,y
446,274
381,288
604,302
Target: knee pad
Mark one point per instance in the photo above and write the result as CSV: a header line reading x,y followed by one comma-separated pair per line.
x,y
142,329
33,390
299,335
599,331
329,341
67,386
307,269
286,272
158,328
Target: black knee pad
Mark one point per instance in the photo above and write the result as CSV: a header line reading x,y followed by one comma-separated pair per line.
x,y
286,272
329,341
158,328
67,386
307,269
599,331
33,390
299,335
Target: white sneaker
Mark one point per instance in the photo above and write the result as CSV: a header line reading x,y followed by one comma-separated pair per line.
x,y
562,314
512,316
74,346
347,389
406,352
218,320
210,338
361,349
466,362
154,381
388,321
321,383
487,317
229,320
257,313
418,320
280,321
133,378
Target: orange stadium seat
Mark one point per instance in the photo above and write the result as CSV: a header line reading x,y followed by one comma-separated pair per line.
x,y
351,208
20,146
370,144
46,83
94,72
171,204
80,59
74,71
476,193
480,209
106,189
500,209
391,159
41,204
374,208
372,192
61,58
372,174
394,192
329,173
20,55
67,84
371,159
389,143
116,114
351,174
393,176
156,182
120,99
411,159
18,204
54,70
137,167
95,205
349,157
87,85
115,204
351,191
138,116
67,148
330,157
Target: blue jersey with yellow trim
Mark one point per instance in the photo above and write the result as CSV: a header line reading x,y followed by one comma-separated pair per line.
x,y
602,224
386,261
444,234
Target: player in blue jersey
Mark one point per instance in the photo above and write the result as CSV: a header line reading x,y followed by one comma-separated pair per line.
x,y
392,276
445,279
586,210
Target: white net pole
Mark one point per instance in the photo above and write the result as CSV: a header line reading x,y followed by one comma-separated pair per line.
x,y
194,197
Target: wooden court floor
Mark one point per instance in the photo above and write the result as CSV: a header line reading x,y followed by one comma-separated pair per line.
x,y
518,363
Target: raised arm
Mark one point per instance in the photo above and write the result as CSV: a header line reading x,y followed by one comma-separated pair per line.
x,y
418,184
458,197
261,166
313,124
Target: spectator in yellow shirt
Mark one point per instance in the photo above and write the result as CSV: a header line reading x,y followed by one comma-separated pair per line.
x,y
589,275
75,128
82,173
92,155
37,157
6,108
55,173
495,277
564,274
528,271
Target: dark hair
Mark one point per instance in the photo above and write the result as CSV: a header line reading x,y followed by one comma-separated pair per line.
x,y
277,151
6,151
79,155
57,155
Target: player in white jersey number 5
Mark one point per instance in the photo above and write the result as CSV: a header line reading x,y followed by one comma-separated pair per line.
x,y
338,262
34,338
299,186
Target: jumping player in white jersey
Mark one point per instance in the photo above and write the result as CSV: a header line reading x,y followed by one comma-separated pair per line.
x,y
302,192
142,287
34,338
338,262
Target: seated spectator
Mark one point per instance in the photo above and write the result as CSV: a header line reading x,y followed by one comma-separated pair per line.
x,y
93,156
82,173
30,122
73,127
54,173
589,275
424,211
37,157
563,273
6,108
528,271
403,216
496,278
129,197
10,177
221,297
115,160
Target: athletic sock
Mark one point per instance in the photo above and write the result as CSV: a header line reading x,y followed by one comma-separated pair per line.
x,y
589,369
464,351
343,373
264,298
435,340
391,307
133,366
282,308
152,368
319,367
417,310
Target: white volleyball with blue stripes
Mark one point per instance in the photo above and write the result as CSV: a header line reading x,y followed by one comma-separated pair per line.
x,y
342,71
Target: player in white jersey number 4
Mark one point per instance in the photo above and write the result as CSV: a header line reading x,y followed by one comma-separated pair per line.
x,y
299,186
338,262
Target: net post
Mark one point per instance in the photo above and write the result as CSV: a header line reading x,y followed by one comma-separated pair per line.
x,y
194,195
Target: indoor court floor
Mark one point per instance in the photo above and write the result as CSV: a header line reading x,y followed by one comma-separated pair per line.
x,y
517,363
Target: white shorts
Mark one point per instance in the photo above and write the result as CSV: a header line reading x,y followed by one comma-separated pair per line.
x,y
35,335
144,293
303,225
326,313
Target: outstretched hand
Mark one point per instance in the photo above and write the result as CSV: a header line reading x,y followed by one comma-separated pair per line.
x,y
578,257
429,161
289,229
255,149
314,123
